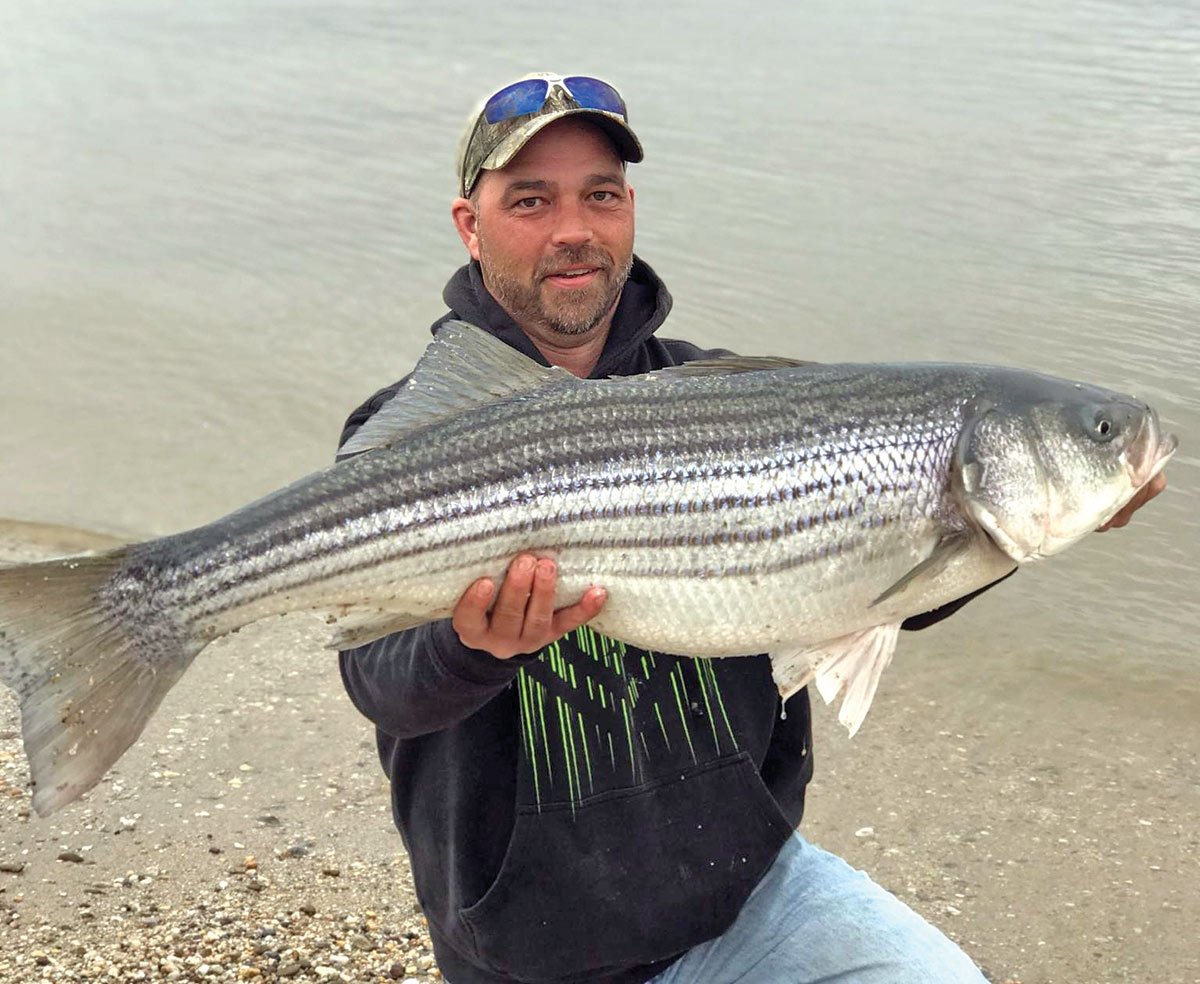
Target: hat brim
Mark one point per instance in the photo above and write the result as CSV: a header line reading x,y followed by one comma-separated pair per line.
x,y
622,136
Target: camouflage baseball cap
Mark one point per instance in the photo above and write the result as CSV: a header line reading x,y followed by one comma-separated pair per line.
x,y
508,118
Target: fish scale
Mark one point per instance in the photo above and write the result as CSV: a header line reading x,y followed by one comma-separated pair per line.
x,y
744,507
728,508
568,502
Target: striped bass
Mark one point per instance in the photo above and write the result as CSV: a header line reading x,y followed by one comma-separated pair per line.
x,y
729,507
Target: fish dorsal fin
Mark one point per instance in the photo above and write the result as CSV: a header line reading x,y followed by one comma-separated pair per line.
x,y
463,367
848,667
729,365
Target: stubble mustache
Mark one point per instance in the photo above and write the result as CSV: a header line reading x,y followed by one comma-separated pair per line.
x,y
574,256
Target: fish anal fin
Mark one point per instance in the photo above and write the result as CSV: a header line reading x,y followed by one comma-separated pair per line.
x,y
848,667
944,551
463,367
359,626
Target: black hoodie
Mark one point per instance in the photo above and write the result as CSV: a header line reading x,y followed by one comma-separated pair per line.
x,y
589,812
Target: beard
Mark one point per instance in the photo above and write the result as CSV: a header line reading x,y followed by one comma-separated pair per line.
x,y
564,312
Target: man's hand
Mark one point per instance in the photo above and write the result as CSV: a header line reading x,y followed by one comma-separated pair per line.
x,y
523,619
1144,495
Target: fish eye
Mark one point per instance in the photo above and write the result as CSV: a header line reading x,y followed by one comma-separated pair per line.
x,y
1103,427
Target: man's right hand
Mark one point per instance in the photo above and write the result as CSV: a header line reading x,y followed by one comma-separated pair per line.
x,y
523,620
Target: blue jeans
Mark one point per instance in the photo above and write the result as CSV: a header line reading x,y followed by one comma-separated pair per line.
x,y
815,920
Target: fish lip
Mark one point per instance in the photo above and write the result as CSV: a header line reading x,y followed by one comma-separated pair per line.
x,y
1167,446
1149,451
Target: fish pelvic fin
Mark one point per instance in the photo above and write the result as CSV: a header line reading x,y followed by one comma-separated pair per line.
x,y
848,667
463,367
85,686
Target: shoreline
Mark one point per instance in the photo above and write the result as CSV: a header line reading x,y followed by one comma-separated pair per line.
x,y
1053,830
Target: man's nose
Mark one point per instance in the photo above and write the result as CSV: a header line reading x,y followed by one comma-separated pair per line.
x,y
573,227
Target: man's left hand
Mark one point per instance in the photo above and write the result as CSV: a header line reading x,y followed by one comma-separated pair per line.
x,y
1144,495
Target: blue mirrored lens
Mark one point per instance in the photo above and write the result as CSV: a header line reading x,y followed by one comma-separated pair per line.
x,y
516,100
594,94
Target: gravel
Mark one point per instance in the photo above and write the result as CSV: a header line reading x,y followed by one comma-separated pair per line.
x,y
201,912
239,940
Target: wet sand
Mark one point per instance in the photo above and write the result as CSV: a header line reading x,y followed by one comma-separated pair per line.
x,y
1055,833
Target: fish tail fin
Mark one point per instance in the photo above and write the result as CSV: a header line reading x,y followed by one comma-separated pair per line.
x,y
85,684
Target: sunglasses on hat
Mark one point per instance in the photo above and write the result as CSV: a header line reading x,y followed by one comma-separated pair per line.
x,y
530,95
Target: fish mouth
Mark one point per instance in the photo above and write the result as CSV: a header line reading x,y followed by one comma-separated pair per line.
x,y
1150,451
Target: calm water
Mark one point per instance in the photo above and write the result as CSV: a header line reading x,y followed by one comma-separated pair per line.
x,y
222,225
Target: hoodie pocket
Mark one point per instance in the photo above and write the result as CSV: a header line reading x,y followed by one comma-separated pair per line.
x,y
628,877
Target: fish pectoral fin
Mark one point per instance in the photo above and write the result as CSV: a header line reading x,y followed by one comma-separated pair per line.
x,y
463,367
848,667
944,551
360,626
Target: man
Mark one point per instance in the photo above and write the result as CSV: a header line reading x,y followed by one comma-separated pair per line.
x,y
575,809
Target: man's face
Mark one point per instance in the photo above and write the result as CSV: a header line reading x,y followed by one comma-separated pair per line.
x,y
553,230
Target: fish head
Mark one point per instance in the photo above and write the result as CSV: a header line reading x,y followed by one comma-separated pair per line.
x,y
1050,461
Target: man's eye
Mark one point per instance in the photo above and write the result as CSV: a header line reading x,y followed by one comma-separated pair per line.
x,y
604,196
528,203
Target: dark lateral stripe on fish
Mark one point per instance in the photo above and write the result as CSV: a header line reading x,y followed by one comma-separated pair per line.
x,y
839,511
696,437
821,552
356,530
350,505
645,404
657,544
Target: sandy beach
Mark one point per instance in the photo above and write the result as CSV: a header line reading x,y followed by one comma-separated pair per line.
x,y
247,835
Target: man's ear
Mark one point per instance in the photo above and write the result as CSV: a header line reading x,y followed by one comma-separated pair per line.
x,y
467,223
